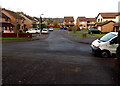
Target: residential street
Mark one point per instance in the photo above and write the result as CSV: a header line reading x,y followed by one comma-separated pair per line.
x,y
54,60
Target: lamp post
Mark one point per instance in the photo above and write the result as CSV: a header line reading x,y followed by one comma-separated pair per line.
x,y
40,21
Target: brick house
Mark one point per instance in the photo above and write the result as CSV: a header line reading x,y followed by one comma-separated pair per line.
x,y
117,26
16,19
5,24
108,20
107,26
102,17
91,22
85,23
68,21
28,21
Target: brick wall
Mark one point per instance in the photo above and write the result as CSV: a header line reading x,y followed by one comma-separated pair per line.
x,y
108,27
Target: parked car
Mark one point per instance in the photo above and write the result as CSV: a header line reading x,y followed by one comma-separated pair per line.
x,y
105,46
93,30
50,29
64,28
33,30
45,30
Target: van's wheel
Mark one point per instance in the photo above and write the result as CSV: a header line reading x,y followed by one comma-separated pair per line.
x,y
105,54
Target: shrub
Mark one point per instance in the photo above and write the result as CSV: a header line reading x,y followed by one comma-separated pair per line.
x,y
34,25
74,29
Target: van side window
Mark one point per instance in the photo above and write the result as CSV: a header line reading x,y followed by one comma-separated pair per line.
x,y
114,41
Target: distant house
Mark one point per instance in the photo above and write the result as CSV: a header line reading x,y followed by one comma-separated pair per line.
x,y
5,24
107,26
16,19
91,22
68,21
85,23
107,22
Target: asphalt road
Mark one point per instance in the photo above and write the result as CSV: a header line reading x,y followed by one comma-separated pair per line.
x,y
54,60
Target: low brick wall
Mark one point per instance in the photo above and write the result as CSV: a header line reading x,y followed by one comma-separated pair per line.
x,y
14,35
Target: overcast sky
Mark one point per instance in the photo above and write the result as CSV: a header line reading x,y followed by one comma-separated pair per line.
x,y
61,8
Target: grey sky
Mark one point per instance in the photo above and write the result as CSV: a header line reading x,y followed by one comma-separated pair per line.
x,y
61,8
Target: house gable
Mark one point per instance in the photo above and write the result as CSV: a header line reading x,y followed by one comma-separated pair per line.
x,y
107,17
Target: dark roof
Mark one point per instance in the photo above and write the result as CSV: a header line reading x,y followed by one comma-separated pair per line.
x,y
103,23
109,15
4,16
91,19
86,19
14,14
82,19
70,18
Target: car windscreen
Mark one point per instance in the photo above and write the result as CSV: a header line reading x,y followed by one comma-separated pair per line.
x,y
107,37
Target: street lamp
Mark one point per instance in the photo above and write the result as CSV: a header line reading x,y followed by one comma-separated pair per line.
x,y
40,21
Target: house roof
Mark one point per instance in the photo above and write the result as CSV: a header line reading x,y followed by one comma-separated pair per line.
x,y
109,15
35,19
103,23
86,19
91,19
4,16
69,18
82,18
14,14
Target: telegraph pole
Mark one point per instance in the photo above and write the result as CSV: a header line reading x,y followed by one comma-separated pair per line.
x,y
40,22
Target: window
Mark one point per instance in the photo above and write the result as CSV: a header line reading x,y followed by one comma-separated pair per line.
x,y
107,37
114,41
98,20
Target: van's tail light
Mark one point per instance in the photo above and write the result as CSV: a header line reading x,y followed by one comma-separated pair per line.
x,y
95,46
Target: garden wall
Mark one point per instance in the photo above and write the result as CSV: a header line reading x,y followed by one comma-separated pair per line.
x,y
14,35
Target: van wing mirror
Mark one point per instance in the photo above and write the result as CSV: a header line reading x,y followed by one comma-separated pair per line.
x,y
111,42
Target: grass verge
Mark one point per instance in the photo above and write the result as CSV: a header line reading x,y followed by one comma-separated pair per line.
x,y
13,38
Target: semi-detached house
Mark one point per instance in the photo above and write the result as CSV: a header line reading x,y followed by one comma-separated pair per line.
x,y
108,22
16,19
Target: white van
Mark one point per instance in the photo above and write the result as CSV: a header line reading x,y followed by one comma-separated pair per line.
x,y
105,46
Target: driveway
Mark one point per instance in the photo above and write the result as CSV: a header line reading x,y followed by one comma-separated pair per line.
x,y
55,60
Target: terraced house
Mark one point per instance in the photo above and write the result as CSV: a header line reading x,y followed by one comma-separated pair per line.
x,y
15,20
5,24
108,22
